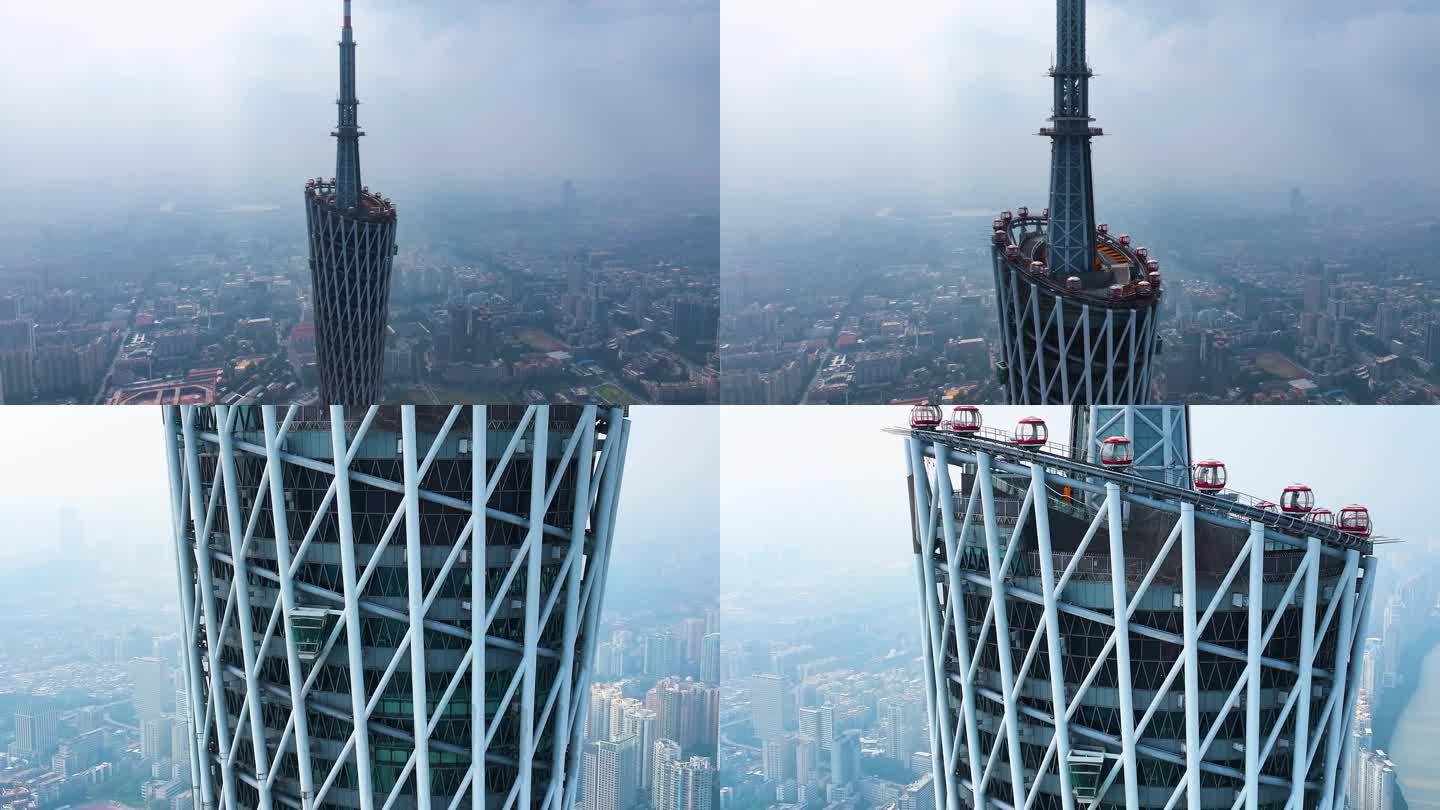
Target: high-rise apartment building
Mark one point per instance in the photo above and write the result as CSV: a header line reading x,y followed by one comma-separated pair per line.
x,y
611,768
767,705
153,688
710,658
685,784
156,737
424,582
641,723
778,757
36,732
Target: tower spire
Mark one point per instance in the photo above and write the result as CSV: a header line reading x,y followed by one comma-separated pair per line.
x,y
1071,231
347,131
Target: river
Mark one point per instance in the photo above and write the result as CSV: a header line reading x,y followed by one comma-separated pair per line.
x,y
1417,735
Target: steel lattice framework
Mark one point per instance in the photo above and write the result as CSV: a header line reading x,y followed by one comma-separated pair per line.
x,y
1072,190
1085,594
1060,348
352,248
1077,308
436,573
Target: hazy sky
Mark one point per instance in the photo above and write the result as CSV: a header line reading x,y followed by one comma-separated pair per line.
x,y
898,100
241,95
821,490
108,463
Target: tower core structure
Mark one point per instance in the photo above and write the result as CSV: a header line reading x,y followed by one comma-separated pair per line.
x,y
392,607
352,249
1077,305
1134,636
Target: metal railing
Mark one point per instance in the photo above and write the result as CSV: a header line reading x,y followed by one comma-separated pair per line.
x,y
1228,502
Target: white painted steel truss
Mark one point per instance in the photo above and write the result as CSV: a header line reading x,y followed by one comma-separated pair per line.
x,y
1211,589
1160,432
450,567
350,264
1062,349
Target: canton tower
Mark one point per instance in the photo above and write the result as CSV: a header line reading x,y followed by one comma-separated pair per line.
x,y
352,247
390,607
1108,625
1077,304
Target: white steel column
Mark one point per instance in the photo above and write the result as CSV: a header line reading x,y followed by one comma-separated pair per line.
x,y
353,640
604,513
241,590
540,427
200,521
954,549
199,756
1052,635
1301,742
1367,595
280,522
1340,684
925,571
1002,623
479,601
415,589
1122,643
1189,600
579,516
1254,648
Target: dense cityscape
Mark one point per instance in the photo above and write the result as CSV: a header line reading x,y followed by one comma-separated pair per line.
x,y
610,300
826,708
1299,301
92,712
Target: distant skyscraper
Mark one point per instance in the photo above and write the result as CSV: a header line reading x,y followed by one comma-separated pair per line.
x,y
806,753
36,732
428,574
153,687
352,248
710,658
598,713
180,743
1377,781
610,774
845,758
778,757
895,723
1174,647
662,755
694,634
640,722
767,705
1432,340
687,711
657,654
686,785
1078,307
155,737
918,795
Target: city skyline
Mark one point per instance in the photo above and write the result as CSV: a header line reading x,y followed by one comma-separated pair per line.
x,y
534,262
